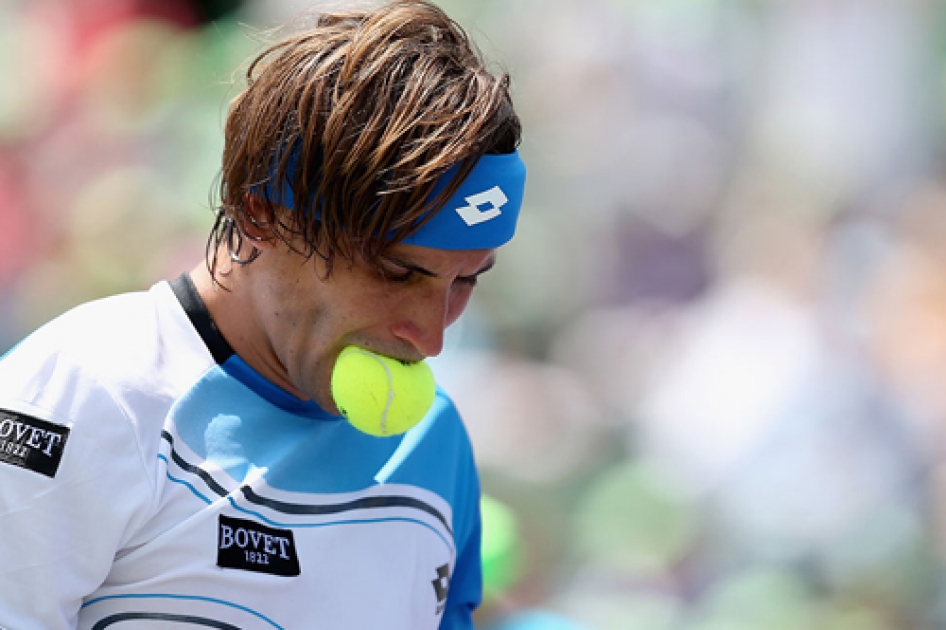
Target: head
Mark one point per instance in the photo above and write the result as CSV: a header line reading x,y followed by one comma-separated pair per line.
x,y
347,142
358,117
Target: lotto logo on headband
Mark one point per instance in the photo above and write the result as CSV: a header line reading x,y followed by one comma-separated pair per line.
x,y
473,215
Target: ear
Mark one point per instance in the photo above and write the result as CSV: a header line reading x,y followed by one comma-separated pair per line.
x,y
258,224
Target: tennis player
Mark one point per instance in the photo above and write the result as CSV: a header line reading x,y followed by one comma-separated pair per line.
x,y
174,457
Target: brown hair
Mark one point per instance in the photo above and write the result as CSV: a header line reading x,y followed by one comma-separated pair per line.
x,y
372,106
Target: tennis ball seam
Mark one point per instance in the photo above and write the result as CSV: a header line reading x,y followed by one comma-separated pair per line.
x,y
390,401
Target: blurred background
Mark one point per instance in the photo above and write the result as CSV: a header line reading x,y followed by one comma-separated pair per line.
x,y
706,383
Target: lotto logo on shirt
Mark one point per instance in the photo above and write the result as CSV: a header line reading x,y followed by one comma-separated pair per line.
x,y
31,443
250,546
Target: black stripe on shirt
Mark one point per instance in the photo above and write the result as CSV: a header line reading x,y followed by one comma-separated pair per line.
x,y
194,470
203,323
366,503
184,619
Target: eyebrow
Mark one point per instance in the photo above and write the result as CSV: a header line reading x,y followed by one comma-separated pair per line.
x,y
430,274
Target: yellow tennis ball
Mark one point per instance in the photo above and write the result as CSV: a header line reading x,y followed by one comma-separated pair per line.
x,y
380,395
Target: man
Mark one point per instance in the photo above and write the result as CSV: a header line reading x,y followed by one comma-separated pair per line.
x,y
175,457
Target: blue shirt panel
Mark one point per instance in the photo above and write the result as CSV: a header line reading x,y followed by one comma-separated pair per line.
x,y
239,421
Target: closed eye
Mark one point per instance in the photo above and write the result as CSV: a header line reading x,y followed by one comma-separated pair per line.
x,y
397,271
405,275
409,274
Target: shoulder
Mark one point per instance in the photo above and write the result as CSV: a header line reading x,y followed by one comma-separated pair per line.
x,y
437,455
447,418
444,436
109,369
130,345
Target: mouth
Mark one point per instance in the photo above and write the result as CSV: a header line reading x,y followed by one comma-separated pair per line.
x,y
399,355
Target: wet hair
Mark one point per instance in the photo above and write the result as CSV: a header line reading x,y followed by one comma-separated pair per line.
x,y
371,107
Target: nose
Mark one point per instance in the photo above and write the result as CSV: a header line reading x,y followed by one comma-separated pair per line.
x,y
426,321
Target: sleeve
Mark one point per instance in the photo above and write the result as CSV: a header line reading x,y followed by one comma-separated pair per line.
x,y
71,483
466,584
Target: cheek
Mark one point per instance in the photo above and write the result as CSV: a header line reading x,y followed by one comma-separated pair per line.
x,y
457,304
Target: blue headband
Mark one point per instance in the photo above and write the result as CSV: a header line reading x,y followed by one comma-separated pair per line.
x,y
481,214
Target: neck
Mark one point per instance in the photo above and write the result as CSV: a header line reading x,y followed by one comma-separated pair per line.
x,y
230,303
